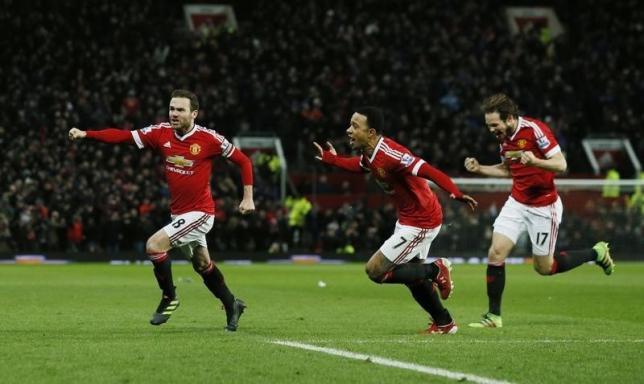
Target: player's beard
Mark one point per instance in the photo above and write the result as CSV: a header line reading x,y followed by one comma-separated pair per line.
x,y
505,133
181,126
501,135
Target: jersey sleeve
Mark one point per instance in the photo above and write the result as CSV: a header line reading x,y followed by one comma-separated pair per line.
x,y
546,141
147,137
221,146
111,135
404,163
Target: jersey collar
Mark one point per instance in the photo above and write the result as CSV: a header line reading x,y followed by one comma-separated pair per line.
x,y
519,124
375,150
187,135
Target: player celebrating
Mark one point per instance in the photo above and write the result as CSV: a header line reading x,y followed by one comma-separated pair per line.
x,y
401,175
187,150
531,156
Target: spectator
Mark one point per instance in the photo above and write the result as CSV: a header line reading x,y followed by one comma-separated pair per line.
x,y
75,234
425,61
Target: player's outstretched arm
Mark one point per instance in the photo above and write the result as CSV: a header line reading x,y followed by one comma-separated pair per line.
x,y
109,135
497,170
426,171
330,156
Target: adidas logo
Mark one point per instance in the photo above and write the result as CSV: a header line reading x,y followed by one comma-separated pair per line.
x,y
167,144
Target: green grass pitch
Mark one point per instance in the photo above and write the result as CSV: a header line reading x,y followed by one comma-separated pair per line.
x,y
88,323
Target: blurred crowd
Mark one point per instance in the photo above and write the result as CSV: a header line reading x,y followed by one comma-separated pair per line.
x,y
428,64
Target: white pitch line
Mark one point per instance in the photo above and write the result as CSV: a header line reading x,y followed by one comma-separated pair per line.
x,y
393,363
431,341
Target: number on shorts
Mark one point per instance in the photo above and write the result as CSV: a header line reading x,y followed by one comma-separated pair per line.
x,y
541,241
401,243
178,223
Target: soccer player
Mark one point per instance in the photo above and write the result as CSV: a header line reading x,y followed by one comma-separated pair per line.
x,y
531,156
402,175
187,150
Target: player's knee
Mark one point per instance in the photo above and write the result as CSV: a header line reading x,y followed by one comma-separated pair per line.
x,y
152,246
542,269
200,266
373,273
494,254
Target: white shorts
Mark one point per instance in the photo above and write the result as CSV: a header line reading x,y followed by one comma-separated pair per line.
x,y
408,242
189,228
542,224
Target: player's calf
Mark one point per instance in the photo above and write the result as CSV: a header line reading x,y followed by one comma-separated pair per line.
x,y
163,273
437,272
214,281
567,260
443,279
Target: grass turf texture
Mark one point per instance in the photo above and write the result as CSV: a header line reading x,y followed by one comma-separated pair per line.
x,y
89,323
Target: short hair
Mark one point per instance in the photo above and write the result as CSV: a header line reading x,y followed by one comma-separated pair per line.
x,y
194,102
375,117
502,104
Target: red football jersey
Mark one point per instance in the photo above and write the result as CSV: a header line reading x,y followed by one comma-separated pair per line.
x,y
187,161
531,185
394,168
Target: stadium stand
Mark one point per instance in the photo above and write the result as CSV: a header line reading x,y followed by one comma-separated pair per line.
x,y
94,65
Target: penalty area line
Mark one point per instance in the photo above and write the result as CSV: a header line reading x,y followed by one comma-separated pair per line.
x,y
455,375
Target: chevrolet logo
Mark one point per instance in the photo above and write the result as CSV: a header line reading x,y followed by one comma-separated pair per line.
x,y
513,154
179,161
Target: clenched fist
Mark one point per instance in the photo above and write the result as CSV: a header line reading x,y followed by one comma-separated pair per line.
x,y
472,165
247,206
75,134
528,158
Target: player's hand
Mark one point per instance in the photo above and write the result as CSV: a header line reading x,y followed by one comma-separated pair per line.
x,y
321,151
246,206
469,200
528,158
472,165
75,134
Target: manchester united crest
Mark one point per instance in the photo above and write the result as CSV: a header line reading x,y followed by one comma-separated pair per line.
x,y
521,143
381,172
195,149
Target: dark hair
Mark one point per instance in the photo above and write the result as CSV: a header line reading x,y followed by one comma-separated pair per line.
x,y
375,117
502,104
194,102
